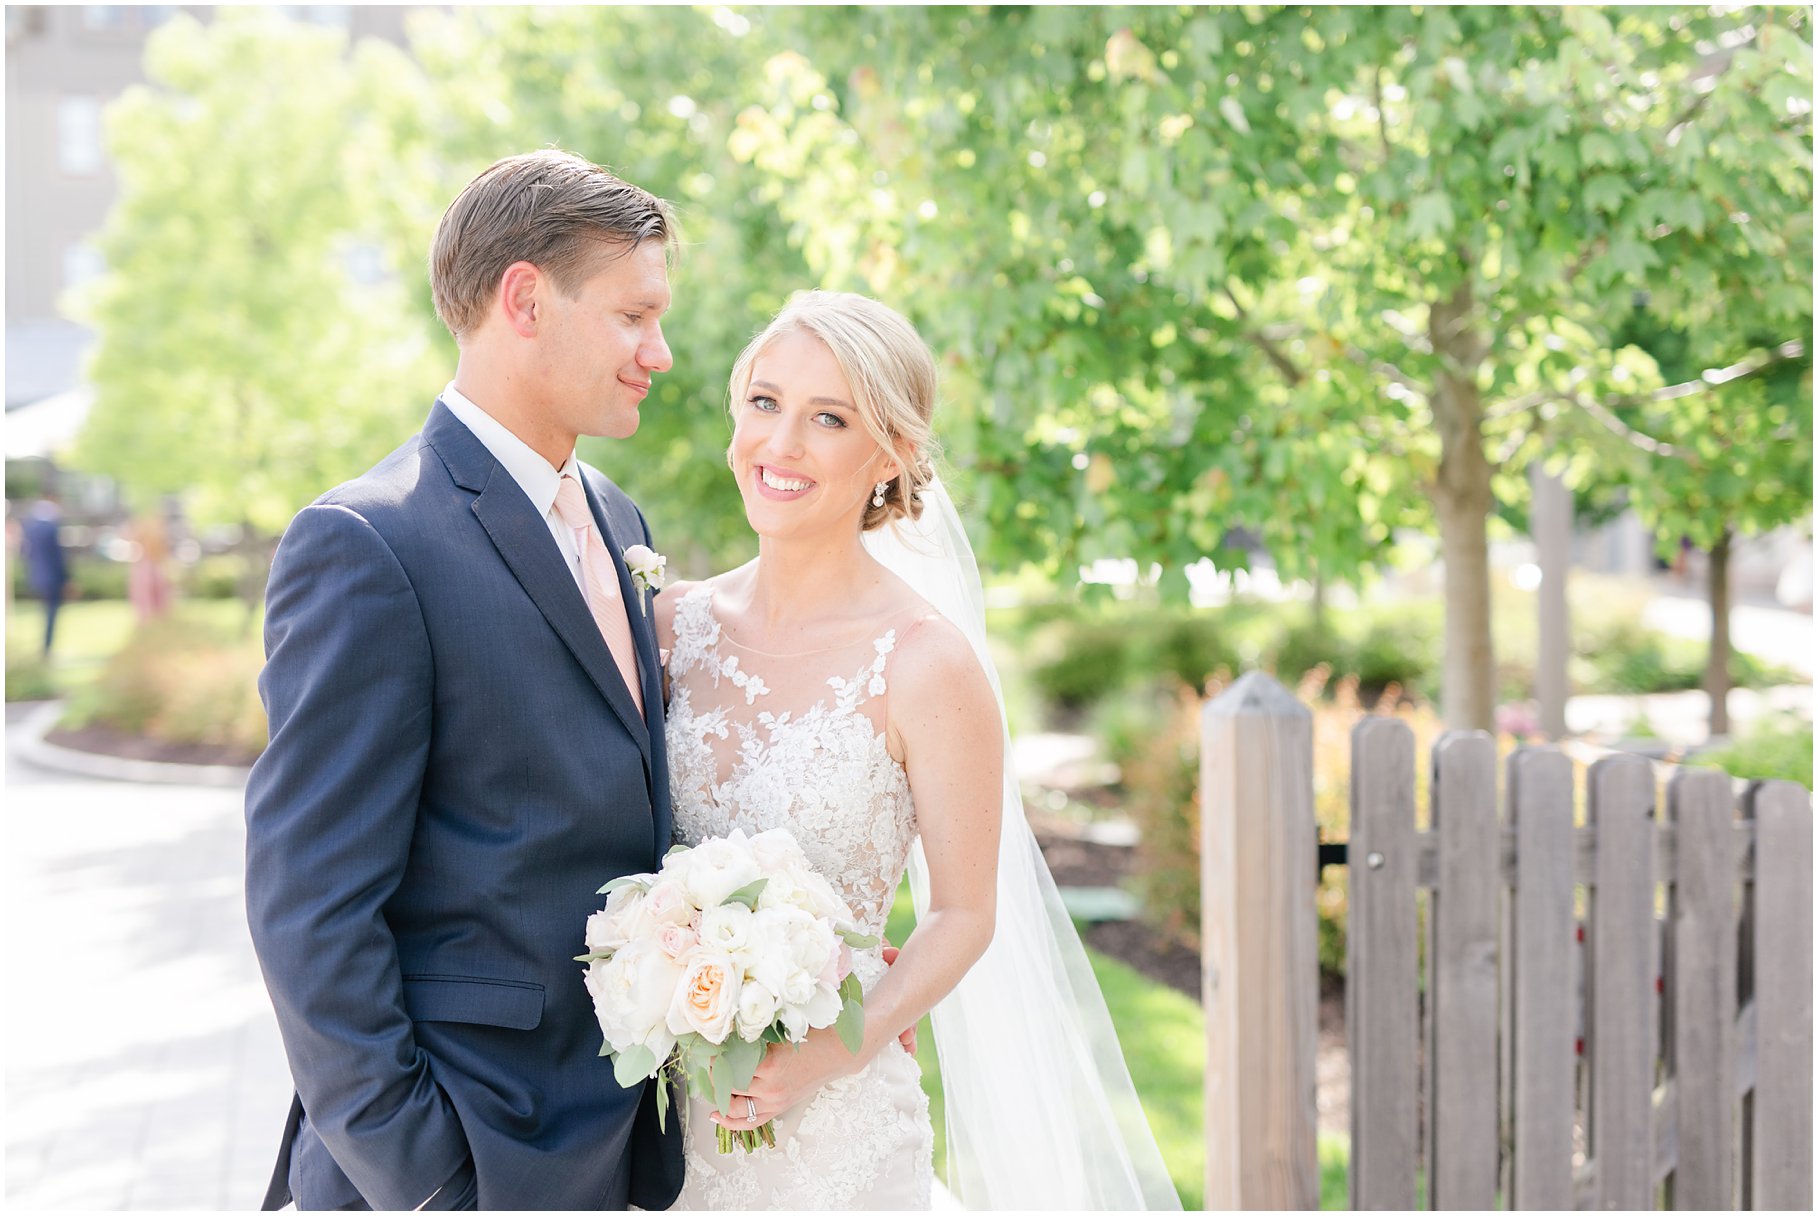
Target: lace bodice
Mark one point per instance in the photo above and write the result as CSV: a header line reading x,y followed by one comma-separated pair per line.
x,y
759,741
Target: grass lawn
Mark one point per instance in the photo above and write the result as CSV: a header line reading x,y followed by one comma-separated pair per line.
x,y
1164,1040
89,632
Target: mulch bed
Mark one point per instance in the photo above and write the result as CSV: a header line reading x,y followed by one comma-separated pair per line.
x,y
109,742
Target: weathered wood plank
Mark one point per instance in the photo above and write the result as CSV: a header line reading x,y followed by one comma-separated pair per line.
x,y
1701,989
1261,964
1462,1133
1666,1122
1620,963
1780,1139
1584,863
1382,1018
1544,999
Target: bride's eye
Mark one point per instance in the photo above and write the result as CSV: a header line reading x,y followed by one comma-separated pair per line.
x,y
760,402
830,421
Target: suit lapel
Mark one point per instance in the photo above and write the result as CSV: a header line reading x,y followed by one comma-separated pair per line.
x,y
530,553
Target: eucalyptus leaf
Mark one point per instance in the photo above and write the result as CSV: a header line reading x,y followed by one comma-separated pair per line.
x,y
748,894
634,1065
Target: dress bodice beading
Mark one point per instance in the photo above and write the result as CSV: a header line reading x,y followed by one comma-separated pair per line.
x,y
759,741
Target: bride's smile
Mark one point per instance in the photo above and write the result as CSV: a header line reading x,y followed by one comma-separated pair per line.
x,y
805,461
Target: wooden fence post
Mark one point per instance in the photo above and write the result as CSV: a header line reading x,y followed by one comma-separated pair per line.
x,y
1779,1130
1461,975
1382,986
1259,858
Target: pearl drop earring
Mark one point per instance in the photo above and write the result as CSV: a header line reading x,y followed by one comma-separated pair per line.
x,y
877,493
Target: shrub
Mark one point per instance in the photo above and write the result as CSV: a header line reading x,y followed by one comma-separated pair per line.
x,y
181,682
1159,758
1085,662
1778,748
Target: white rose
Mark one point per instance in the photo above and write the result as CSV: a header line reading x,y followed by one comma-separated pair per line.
x,y
632,993
757,1010
646,565
618,922
823,1008
727,928
776,851
668,904
676,940
716,870
798,987
810,947
795,1023
707,999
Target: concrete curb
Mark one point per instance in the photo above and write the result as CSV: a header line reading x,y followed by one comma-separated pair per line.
x,y
29,745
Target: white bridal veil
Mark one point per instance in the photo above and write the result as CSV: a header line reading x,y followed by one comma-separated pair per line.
x,y
1040,1109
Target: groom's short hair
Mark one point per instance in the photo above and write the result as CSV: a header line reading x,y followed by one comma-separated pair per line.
x,y
562,214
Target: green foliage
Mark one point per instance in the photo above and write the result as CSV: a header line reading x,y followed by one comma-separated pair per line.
x,y
90,578
1777,748
180,680
238,360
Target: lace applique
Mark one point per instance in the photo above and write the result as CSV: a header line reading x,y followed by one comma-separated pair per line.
x,y
817,764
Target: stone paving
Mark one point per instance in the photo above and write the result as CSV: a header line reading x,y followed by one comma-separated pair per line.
x,y
143,1066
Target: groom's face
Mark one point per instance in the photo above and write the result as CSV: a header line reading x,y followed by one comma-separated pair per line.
x,y
598,351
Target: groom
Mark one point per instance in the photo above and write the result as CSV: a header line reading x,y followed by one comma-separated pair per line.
x,y
466,738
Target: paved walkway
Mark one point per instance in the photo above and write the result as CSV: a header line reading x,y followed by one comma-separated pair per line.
x,y
143,1067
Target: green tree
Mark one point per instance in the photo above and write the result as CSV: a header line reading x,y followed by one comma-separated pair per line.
x,y
1298,269
1721,455
254,347
655,94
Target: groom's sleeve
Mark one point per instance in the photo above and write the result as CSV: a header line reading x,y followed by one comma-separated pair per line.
x,y
330,810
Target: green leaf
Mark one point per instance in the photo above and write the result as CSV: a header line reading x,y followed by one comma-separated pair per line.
x,y
662,1103
851,1024
634,1065
641,881
857,940
748,894
740,1060
1605,192
1430,215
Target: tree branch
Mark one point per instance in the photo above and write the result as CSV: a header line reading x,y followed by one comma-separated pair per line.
x,y
1274,353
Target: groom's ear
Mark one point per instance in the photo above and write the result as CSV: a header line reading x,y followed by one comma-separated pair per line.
x,y
521,291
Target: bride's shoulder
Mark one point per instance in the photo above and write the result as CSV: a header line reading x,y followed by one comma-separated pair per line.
x,y
933,658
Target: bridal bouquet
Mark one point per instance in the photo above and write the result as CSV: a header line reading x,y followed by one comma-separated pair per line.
x,y
731,946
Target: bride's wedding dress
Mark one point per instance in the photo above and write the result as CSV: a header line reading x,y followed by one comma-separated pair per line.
x,y
762,741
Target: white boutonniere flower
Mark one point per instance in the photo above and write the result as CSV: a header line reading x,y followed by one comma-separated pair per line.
x,y
646,566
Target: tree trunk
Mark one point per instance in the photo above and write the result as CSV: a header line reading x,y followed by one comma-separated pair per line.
x,y
1551,526
1461,500
1717,666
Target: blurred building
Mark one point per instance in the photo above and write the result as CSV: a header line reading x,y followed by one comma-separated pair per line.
x,y
64,64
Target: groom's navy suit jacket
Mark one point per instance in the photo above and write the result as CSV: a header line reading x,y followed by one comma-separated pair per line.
x,y
455,768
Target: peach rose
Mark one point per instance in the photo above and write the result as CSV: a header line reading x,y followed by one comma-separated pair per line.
x,y
707,999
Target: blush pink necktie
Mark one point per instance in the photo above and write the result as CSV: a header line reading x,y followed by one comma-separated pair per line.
x,y
601,582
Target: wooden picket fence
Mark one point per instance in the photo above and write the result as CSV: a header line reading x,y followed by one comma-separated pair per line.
x,y
1616,1015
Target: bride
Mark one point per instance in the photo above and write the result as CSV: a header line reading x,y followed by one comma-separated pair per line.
x,y
838,685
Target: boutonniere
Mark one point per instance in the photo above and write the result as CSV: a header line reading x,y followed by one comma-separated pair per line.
x,y
646,566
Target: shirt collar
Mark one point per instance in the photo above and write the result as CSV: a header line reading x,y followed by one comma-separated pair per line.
x,y
532,473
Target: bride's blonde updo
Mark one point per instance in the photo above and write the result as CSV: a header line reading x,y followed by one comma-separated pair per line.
x,y
891,372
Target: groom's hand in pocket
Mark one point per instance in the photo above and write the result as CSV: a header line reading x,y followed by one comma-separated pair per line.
x,y
907,1038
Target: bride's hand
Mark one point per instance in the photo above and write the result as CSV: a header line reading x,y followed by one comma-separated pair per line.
x,y
789,1075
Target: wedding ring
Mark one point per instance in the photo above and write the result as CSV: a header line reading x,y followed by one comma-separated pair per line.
x,y
751,1108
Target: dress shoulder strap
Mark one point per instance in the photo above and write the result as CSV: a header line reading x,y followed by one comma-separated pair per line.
x,y
697,633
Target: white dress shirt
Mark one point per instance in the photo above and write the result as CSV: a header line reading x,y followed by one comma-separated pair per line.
x,y
532,473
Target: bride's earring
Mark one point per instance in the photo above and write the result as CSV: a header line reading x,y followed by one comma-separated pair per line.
x,y
877,493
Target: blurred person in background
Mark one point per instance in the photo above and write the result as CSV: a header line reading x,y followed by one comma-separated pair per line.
x,y
46,567
148,582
